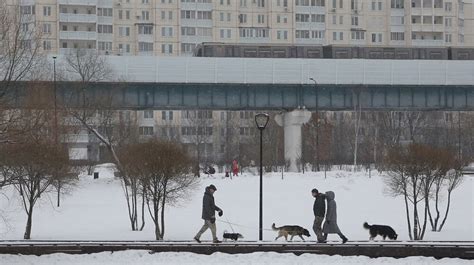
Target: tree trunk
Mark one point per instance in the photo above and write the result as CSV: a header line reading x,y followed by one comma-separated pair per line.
x,y
407,208
163,217
143,208
59,192
29,222
447,211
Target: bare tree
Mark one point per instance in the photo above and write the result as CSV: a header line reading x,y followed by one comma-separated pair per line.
x,y
20,45
405,167
357,113
33,161
101,119
87,65
163,169
198,127
418,173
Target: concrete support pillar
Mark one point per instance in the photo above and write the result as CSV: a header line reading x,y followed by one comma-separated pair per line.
x,y
291,123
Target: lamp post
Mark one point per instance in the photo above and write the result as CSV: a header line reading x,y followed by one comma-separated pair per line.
x,y
261,119
317,122
56,121
55,103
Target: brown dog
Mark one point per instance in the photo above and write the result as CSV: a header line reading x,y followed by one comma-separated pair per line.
x,y
292,230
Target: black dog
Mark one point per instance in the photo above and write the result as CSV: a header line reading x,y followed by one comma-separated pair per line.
x,y
382,230
233,236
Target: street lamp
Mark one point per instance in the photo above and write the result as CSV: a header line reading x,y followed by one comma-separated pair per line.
x,y
261,119
317,122
56,119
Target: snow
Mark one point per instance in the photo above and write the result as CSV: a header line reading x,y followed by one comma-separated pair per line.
x,y
96,210
142,257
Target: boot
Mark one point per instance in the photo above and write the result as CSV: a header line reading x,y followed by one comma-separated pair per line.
x,y
344,240
197,240
216,241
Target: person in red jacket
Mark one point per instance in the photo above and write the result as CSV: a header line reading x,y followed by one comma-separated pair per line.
x,y
235,168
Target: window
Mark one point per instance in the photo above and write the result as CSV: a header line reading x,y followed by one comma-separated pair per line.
x,y
167,115
105,29
448,22
376,37
397,36
27,10
46,28
397,4
46,11
148,114
124,31
145,15
355,21
448,38
167,31
47,45
145,130
357,35
167,48
145,46
448,7
145,29
105,46
104,12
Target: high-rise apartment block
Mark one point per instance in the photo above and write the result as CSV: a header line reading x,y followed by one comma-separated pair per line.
x,y
175,27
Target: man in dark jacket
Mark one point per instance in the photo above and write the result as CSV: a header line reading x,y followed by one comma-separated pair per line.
x,y
319,210
208,214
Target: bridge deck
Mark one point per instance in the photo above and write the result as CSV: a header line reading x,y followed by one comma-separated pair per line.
x,y
265,96
396,249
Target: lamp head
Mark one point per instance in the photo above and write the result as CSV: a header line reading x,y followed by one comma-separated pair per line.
x,y
261,119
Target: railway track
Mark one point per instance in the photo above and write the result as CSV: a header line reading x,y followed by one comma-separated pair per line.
x,y
395,249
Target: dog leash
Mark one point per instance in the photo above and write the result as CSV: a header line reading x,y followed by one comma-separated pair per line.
x,y
243,226
229,224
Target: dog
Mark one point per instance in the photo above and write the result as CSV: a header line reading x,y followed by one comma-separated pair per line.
x,y
381,230
233,236
292,230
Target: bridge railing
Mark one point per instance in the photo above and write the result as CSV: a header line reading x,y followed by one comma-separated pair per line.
x,y
291,71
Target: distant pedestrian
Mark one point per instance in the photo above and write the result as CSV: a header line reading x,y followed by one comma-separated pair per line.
x,y
319,210
235,168
330,225
208,214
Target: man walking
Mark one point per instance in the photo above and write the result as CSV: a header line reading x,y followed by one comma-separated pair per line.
x,y
208,214
319,210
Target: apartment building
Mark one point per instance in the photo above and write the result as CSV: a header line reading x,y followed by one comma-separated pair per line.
x,y
175,27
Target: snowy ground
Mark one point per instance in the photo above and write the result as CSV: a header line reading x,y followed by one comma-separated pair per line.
x,y
96,210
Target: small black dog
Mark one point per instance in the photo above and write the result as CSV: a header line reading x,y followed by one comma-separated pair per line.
x,y
382,230
233,236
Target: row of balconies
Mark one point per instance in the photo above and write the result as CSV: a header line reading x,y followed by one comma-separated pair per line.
x,y
84,18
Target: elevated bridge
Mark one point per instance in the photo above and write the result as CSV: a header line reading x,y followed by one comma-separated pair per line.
x,y
275,84
295,86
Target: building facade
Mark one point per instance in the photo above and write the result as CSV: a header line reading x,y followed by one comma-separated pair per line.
x,y
175,27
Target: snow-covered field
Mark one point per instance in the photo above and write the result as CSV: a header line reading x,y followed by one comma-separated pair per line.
x,y
96,210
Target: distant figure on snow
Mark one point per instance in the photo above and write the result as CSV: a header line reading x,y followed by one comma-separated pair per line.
x,y
210,171
235,168
208,214
330,226
319,210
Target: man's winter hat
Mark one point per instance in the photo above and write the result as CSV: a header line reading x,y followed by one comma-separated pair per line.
x,y
212,187
314,191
